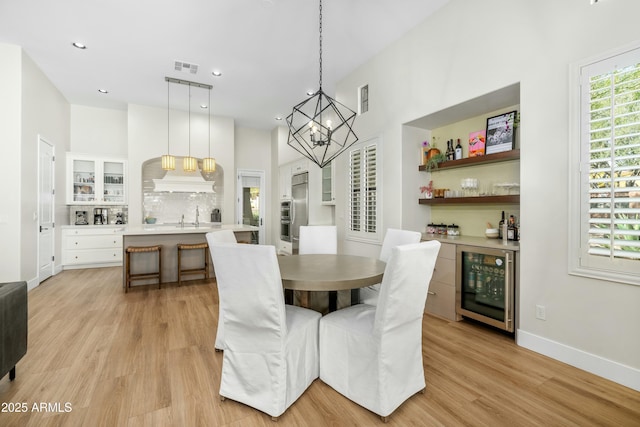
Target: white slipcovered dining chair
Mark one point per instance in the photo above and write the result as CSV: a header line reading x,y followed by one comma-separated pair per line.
x,y
318,239
271,349
392,238
214,237
373,354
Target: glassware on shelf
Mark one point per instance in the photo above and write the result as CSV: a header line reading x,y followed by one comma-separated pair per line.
x,y
469,187
506,188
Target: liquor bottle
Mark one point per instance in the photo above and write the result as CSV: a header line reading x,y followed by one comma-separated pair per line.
x,y
500,224
450,153
458,152
512,229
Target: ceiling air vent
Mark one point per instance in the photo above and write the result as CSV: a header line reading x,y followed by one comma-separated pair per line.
x,y
186,67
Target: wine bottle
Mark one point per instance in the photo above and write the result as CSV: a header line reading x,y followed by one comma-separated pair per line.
x,y
458,152
512,229
450,153
500,226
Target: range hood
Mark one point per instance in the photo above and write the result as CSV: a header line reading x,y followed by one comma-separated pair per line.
x,y
179,181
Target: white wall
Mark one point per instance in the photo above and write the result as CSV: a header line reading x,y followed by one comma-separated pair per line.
x,y
99,131
592,324
10,115
253,151
274,213
31,107
286,154
45,113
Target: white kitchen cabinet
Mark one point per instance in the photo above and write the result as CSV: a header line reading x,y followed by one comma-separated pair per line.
x,y
285,248
91,247
328,185
286,172
285,182
299,166
441,300
96,180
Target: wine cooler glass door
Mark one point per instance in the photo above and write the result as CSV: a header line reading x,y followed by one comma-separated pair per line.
x,y
485,286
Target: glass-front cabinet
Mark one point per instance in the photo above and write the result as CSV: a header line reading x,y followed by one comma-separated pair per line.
x,y
95,180
328,185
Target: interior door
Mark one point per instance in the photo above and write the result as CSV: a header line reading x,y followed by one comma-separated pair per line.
x,y
251,202
46,203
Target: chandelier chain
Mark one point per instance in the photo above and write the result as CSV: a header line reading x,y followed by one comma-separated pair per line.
x,y
168,136
209,142
189,120
320,28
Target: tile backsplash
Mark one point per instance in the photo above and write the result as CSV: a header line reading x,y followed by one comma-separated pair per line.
x,y
169,207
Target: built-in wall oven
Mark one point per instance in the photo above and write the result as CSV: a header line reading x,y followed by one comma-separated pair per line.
x,y
285,220
486,285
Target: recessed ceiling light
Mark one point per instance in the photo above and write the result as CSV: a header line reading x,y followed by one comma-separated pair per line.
x,y
278,118
103,91
204,107
79,45
216,73
310,92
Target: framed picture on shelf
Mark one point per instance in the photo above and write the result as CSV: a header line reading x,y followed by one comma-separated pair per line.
x,y
500,133
477,143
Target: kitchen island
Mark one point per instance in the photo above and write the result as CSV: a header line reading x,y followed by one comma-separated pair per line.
x,y
168,236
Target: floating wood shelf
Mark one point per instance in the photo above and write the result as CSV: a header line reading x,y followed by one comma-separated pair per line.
x,y
476,161
510,199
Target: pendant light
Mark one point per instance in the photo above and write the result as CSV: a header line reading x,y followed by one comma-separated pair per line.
x,y
189,164
168,161
209,163
321,128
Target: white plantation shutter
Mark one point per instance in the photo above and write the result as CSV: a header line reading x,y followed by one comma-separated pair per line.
x,y
355,190
363,191
610,166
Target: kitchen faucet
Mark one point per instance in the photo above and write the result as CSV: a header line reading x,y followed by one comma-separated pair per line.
x,y
182,221
197,217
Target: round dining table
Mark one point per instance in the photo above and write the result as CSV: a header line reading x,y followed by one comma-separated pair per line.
x,y
325,272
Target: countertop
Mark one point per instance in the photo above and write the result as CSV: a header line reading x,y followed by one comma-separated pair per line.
x,y
482,242
91,227
150,229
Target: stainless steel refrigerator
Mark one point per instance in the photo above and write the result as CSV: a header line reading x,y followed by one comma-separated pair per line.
x,y
299,206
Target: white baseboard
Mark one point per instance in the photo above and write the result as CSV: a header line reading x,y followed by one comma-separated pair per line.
x,y
34,282
614,371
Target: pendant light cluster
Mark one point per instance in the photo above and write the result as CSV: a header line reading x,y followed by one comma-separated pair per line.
x,y
190,164
321,128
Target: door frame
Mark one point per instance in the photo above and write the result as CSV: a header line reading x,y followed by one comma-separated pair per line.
x,y
42,140
253,173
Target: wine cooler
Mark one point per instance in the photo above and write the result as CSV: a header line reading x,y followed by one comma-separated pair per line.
x,y
485,285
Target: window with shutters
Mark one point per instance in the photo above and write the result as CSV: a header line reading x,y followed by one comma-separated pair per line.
x,y
363,96
363,204
608,241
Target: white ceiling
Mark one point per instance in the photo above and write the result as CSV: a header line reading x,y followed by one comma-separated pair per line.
x,y
267,50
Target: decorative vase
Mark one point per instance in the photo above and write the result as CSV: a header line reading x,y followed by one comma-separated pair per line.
x,y
424,152
432,152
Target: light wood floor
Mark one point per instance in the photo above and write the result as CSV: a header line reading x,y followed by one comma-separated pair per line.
x,y
146,358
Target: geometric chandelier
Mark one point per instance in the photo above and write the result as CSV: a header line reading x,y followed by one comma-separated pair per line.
x,y
321,128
